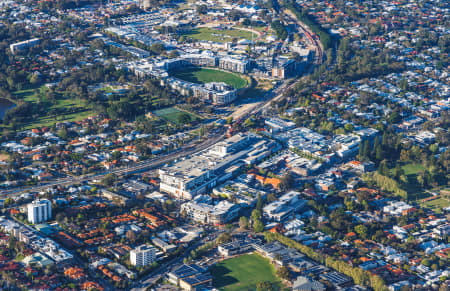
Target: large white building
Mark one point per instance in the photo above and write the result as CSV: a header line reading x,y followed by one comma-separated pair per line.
x,y
218,214
284,207
143,255
20,46
39,211
200,172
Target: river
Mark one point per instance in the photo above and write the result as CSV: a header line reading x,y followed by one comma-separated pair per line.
x,y
5,104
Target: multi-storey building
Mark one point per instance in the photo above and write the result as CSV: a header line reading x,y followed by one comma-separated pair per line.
x,y
234,65
20,46
193,176
143,255
285,206
284,68
39,211
218,214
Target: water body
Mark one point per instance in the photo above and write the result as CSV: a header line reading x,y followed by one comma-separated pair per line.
x,y
5,105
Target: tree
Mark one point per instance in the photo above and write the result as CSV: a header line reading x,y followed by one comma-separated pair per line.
x,y
383,168
421,178
264,286
109,179
259,203
398,171
349,127
184,118
243,222
35,79
157,48
131,236
256,215
249,122
223,238
8,202
258,226
361,230
283,273
12,243
271,197
286,182
62,133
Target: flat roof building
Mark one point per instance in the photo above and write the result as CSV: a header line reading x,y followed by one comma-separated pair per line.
x,y
286,205
143,255
218,214
39,211
200,172
20,46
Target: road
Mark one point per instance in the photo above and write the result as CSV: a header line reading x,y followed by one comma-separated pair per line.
x,y
135,168
240,114
277,94
152,278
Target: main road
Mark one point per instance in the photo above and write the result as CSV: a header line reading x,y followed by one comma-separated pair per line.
x,y
250,109
135,168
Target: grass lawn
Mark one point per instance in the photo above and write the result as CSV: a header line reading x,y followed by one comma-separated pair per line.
x,y
201,76
82,111
219,35
257,91
414,189
257,28
243,272
412,169
436,204
171,114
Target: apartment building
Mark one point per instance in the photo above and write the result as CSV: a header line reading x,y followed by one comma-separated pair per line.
x,y
20,46
284,69
142,256
234,65
218,214
39,211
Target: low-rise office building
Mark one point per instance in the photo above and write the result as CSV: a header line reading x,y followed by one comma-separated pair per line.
x,y
286,205
190,277
218,214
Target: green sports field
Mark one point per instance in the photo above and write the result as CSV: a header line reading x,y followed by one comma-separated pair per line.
x,y
202,75
243,273
172,114
219,35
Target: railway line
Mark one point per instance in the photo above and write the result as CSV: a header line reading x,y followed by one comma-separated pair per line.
x,y
255,108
